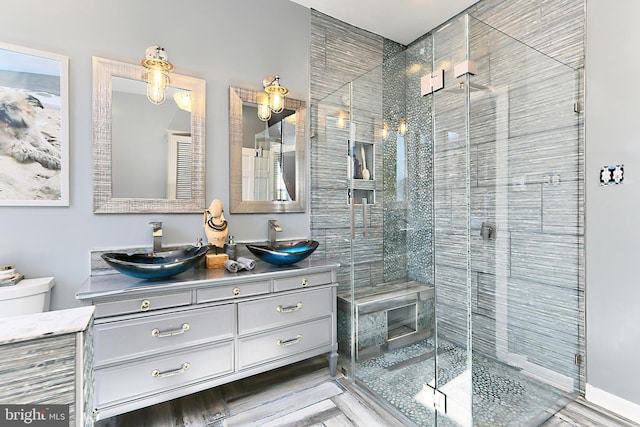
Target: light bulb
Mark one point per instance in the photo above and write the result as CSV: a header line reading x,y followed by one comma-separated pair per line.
x,y
385,130
264,111
341,120
402,129
158,75
276,93
276,102
157,82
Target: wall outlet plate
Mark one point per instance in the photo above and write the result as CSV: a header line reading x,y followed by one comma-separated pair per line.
x,y
610,175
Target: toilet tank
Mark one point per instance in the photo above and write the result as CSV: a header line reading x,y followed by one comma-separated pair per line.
x,y
28,296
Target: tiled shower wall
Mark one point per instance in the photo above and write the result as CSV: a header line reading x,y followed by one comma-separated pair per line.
x,y
341,53
548,216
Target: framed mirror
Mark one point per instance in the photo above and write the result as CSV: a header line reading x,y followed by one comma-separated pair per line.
x,y
146,158
267,158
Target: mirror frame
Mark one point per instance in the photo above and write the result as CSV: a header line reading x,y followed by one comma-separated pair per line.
x,y
103,200
238,97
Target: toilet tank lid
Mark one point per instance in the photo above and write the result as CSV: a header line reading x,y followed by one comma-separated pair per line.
x,y
27,287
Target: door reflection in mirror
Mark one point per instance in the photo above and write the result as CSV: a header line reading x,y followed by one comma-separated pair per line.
x,y
269,157
267,170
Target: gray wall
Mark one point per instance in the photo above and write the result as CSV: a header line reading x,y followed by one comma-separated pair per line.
x,y
613,292
223,42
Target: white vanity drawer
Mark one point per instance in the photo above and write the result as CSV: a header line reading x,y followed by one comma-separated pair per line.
x,y
128,381
217,293
300,282
281,310
161,332
285,342
142,304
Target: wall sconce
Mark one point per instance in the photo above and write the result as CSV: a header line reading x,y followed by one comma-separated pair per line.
x,y
157,76
183,100
385,130
342,119
264,110
402,127
275,93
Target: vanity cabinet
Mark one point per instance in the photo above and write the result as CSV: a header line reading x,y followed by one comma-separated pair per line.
x,y
156,341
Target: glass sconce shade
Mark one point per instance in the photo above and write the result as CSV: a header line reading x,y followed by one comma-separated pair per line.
x,y
385,130
276,93
341,120
157,76
183,100
402,127
276,102
264,110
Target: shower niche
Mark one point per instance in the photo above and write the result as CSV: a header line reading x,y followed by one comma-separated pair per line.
x,y
401,322
387,317
360,168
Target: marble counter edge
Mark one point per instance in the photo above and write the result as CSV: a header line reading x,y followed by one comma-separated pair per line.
x,y
118,284
43,325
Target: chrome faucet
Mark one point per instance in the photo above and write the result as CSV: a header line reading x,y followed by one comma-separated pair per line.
x,y
273,228
157,235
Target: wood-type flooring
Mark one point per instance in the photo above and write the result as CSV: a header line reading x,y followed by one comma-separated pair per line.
x,y
305,395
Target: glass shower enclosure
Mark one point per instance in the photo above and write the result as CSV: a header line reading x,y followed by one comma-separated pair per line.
x,y
458,165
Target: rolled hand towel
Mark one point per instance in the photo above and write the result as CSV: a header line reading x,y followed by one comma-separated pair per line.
x,y
232,266
247,263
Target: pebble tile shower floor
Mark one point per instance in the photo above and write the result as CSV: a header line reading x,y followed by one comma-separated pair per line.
x,y
502,395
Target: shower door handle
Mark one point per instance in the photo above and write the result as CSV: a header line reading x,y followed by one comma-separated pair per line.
x,y
365,214
365,223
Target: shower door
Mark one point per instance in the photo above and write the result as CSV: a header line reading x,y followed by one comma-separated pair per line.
x,y
507,227
367,220
526,229
393,353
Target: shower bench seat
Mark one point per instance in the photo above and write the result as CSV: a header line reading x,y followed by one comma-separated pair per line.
x,y
388,316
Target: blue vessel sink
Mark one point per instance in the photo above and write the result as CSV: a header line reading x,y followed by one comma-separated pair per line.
x,y
284,253
156,265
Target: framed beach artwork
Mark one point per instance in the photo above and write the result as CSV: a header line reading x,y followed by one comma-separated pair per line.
x,y
34,128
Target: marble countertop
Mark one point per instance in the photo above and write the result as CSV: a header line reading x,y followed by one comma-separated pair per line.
x,y
120,284
41,325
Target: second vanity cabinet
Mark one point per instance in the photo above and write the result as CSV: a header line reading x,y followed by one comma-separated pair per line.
x,y
158,341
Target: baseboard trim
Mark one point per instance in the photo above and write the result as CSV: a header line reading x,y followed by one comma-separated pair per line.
x,y
613,403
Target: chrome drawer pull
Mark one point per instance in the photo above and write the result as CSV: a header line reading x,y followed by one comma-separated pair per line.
x,y
304,282
157,333
281,309
292,341
157,374
145,305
